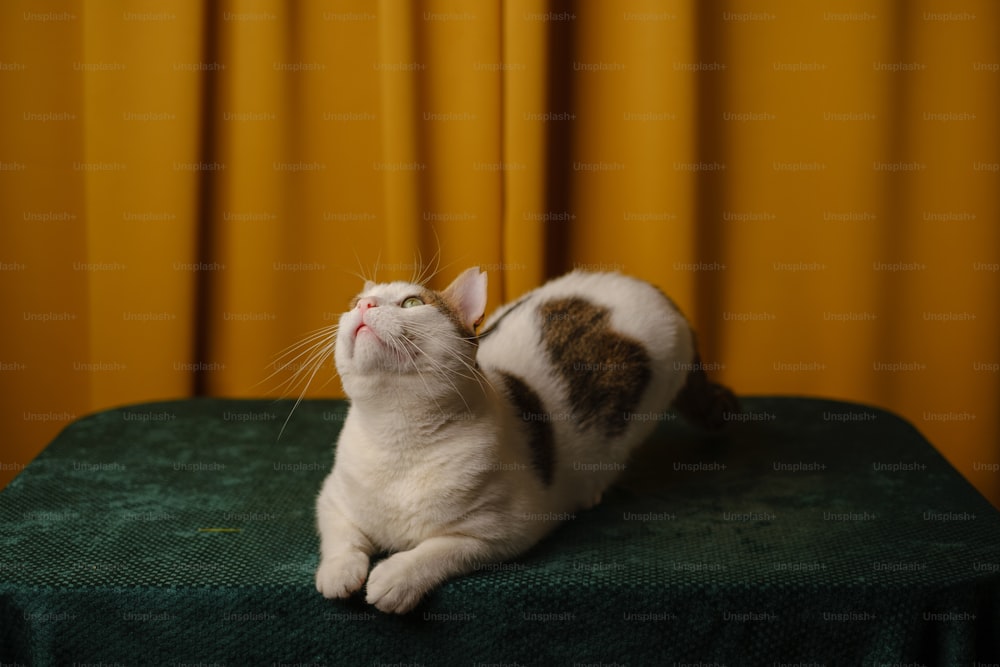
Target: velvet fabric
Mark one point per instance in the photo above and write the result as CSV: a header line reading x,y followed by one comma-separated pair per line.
x,y
806,532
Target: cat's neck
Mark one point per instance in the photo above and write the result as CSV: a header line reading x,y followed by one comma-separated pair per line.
x,y
409,412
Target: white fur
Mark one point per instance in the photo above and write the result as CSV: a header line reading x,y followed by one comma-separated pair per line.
x,y
432,465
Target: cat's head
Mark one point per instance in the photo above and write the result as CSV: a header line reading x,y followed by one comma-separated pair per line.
x,y
407,334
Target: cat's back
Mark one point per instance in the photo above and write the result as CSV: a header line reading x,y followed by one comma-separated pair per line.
x,y
588,363
608,318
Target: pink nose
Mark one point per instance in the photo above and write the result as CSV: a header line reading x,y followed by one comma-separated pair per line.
x,y
365,304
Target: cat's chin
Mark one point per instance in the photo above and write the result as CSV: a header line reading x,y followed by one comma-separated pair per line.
x,y
373,359
368,354
366,334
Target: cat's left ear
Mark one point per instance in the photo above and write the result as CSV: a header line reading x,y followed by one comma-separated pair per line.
x,y
467,293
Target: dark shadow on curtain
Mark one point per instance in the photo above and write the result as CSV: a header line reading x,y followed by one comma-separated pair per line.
x,y
889,284
560,97
426,239
710,194
205,239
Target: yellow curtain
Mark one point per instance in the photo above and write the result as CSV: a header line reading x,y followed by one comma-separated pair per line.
x,y
187,188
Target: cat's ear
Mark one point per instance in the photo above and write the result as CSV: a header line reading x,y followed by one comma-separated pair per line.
x,y
467,294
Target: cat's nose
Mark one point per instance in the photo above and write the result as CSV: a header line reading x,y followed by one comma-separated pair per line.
x,y
365,304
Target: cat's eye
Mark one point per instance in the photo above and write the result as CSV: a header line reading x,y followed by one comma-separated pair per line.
x,y
412,301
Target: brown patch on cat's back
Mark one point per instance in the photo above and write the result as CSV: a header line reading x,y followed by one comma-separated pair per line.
x,y
529,408
604,371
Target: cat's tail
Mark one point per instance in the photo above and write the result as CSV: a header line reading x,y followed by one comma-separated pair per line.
x,y
704,403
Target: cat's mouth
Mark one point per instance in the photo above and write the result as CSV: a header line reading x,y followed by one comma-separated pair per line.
x,y
364,328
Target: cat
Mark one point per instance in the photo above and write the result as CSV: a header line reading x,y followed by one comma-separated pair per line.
x,y
462,449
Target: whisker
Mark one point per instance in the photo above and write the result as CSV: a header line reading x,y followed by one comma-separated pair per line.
x,y
308,338
421,278
439,371
435,260
378,260
314,349
418,265
438,269
312,340
361,267
324,353
318,354
474,372
396,346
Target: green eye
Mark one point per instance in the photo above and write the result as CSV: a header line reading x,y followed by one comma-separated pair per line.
x,y
412,301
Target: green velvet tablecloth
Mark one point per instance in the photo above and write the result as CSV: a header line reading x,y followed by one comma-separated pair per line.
x,y
809,532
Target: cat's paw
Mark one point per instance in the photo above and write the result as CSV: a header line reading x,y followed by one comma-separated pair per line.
x,y
394,586
341,575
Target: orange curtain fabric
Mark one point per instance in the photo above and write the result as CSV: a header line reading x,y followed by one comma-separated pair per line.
x,y
188,189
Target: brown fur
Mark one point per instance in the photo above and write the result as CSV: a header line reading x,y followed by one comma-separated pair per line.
x,y
435,299
541,440
703,402
605,373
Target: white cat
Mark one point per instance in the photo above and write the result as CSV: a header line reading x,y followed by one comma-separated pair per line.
x,y
460,449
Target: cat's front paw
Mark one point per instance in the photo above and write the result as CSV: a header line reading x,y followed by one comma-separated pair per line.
x,y
394,585
341,575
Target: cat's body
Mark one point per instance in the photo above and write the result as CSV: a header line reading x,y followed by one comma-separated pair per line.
x,y
460,450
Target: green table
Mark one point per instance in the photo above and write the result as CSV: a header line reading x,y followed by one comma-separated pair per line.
x,y
808,532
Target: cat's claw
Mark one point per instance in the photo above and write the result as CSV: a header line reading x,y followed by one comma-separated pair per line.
x,y
392,586
342,575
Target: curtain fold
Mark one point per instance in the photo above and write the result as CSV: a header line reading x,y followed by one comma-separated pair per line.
x,y
138,121
188,189
528,120
43,237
